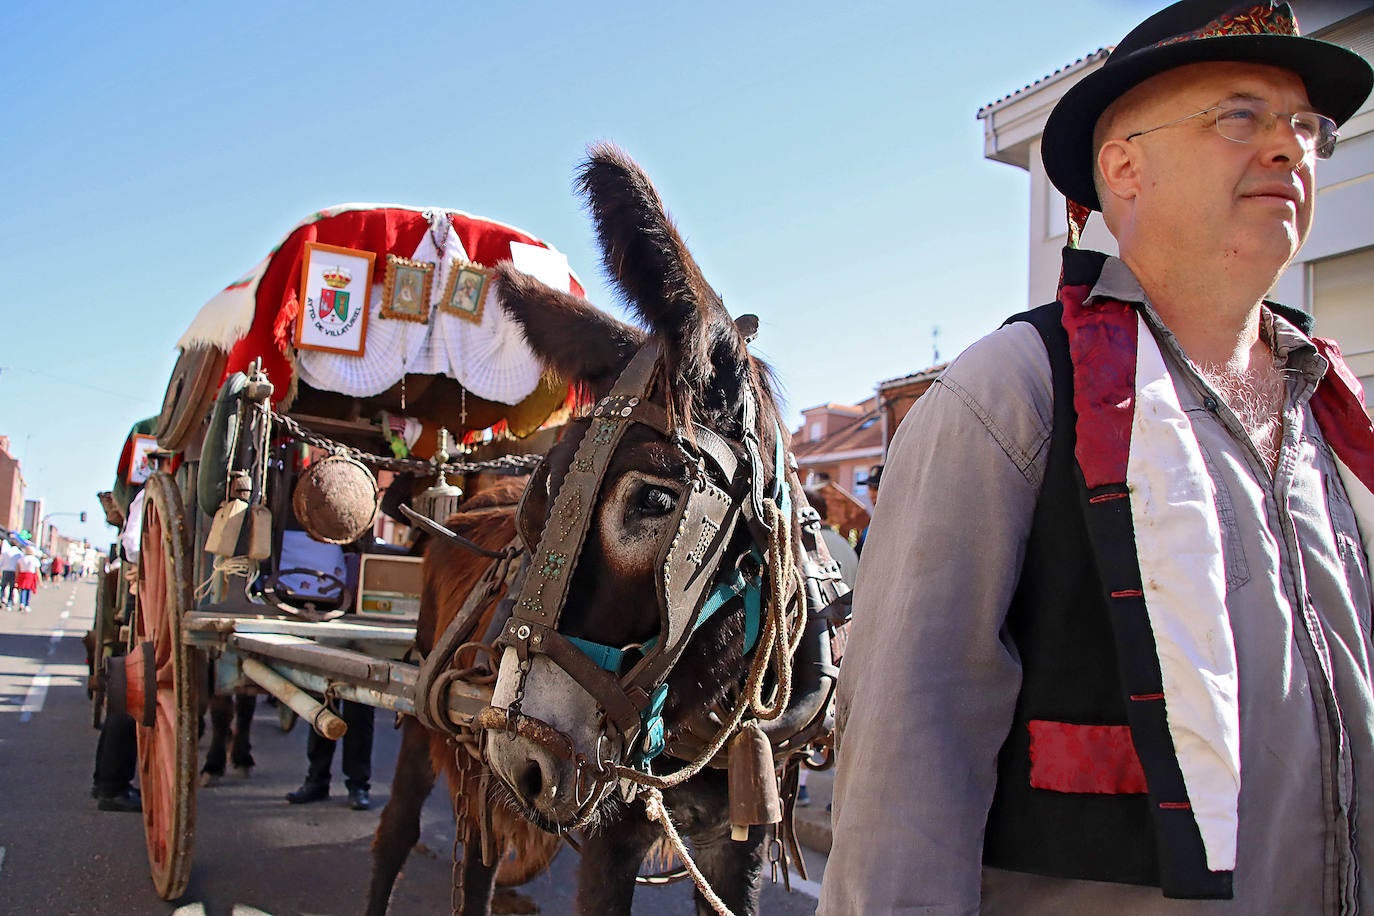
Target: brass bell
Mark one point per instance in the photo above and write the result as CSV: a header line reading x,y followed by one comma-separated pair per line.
x,y
753,782
442,498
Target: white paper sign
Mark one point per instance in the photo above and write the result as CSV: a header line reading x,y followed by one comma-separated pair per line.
x,y
546,266
336,285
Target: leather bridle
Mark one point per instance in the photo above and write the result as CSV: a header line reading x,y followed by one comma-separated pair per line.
x,y
692,585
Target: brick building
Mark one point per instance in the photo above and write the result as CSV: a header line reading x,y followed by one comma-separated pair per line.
x,y
11,488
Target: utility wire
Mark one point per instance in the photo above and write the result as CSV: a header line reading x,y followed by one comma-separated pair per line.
x,y
70,381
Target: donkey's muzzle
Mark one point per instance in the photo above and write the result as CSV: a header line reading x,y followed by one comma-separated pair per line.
x,y
541,768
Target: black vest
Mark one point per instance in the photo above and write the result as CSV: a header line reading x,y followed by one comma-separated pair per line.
x,y
1088,658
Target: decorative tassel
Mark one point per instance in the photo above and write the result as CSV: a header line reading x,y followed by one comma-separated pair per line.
x,y
1078,220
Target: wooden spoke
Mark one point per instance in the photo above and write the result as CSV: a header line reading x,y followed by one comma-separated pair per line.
x,y
167,748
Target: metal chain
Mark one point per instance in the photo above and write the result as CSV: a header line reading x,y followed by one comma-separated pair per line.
x,y
459,819
509,463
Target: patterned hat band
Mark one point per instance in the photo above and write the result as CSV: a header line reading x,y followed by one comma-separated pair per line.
x,y
1263,19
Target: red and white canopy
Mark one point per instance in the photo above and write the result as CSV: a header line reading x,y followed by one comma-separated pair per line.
x,y
254,317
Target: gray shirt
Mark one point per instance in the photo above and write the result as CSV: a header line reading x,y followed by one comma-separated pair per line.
x,y
930,677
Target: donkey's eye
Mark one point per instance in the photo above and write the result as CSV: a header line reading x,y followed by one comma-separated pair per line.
x,y
653,500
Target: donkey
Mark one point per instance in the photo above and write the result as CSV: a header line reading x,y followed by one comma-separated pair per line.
x,y
231,723
450,573
649,524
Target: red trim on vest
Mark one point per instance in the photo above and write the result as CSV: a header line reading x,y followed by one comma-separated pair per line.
x,y
1338,405
1094,759
1102,345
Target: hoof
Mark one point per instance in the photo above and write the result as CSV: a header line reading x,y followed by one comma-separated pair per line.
x,y
209,780
243,772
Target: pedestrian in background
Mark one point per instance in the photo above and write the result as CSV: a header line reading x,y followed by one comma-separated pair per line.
x,y
1111,635
26,577
9,563
357,758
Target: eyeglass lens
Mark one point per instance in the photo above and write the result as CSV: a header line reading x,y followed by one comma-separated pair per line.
x,y
1243,123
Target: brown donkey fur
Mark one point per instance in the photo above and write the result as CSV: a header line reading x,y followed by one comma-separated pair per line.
x,y
450,573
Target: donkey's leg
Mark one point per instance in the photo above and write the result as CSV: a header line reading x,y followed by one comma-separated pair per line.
x,y
241,754
611,857
221,719
734,869
398,830
477,883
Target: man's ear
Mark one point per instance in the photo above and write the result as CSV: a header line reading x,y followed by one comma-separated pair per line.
x,y
1118,166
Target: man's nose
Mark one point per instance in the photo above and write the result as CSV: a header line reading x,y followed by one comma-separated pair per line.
x,y
1282,141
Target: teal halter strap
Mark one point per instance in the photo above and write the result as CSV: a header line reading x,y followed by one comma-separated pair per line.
x,y
737,583
612,659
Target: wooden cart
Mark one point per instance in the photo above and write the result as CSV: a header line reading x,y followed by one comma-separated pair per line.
x,y
275,411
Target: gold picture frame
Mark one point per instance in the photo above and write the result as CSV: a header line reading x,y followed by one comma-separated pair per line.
x,y
466,290
408,287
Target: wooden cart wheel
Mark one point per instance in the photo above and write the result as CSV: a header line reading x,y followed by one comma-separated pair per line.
x,y
99,635
195,379
167,747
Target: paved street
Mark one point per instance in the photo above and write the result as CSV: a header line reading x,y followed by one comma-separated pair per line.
x,y
253,852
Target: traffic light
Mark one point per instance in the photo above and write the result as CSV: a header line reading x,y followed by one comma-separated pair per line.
x,y
83,516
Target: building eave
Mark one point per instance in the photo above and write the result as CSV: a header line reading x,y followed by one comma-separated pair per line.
x,y
1013,122
874,451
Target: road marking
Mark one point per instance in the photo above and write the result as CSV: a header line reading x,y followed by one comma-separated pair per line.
x,y
2,858
190,909
811,889
38,694
55,638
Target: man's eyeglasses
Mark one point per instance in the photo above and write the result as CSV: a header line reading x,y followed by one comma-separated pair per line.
x,y
1242,123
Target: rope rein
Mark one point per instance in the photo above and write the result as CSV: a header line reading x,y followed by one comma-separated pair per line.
x,y
778,645
655,809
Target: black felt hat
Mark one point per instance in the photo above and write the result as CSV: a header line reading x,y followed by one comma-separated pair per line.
x,y
1338,80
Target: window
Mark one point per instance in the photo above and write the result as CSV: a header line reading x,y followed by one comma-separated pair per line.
x,y
816,431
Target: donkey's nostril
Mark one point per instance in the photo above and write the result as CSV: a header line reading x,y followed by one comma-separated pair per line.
x,y
530,781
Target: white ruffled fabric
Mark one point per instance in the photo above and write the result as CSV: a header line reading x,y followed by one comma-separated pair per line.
x,y
491,358
225,319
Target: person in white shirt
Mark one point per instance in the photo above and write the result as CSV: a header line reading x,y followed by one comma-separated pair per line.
x,y
26,576
9,561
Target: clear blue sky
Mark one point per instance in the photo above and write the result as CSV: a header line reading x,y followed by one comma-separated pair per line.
x,y
823,160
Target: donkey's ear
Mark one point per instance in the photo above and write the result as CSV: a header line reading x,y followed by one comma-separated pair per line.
x,y
569,335
649,261
640,246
